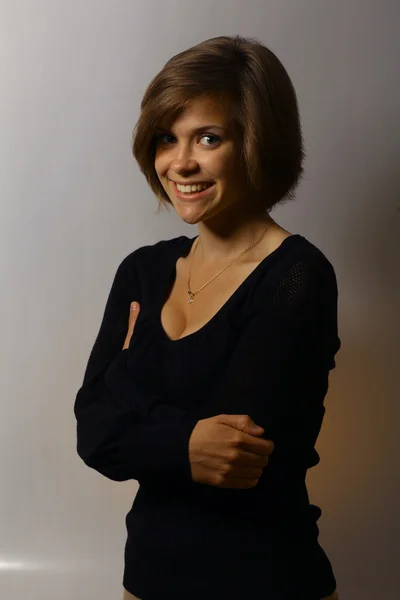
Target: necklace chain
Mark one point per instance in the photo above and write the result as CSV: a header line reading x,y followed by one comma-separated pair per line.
x,y
193,294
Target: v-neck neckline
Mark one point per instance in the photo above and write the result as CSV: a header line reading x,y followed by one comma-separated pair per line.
x,y
184,252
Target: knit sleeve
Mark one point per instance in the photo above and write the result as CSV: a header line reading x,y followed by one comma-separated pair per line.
x,y
277,374
115,434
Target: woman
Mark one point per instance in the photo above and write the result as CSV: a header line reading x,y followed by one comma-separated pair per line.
x,y
211,393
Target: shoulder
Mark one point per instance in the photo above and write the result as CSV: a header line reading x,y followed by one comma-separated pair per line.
x,y
298,272
303,259
150,254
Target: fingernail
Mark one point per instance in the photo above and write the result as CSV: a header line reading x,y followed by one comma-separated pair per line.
x,y
134,306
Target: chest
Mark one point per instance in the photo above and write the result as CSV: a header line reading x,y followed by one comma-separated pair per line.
x,y
179,318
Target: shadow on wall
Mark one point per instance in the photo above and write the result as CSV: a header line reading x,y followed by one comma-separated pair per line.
x,y
353,177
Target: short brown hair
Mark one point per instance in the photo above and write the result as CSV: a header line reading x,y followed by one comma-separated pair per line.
x,y
264,106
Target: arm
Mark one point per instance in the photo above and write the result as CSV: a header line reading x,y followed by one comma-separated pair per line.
x,y
123,441
278,373
115,435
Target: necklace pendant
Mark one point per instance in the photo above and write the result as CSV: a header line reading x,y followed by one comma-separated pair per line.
x,y
191,296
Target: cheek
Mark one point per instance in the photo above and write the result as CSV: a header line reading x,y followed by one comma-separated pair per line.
x,y
158,164
161,170
226,160
225,167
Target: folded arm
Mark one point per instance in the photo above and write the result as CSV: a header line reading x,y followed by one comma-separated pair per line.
x,y
129,431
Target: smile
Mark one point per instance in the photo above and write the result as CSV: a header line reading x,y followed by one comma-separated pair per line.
x,y
190,188
194,191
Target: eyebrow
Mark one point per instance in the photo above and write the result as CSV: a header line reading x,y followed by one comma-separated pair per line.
x,y
200,129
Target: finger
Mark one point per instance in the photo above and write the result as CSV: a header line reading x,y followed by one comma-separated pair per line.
x,y
133,314
257,445
250,459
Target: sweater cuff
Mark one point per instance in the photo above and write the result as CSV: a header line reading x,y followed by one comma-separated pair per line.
x,y
158,452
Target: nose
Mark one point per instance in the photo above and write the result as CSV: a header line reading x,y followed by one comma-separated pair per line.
x,y
183,162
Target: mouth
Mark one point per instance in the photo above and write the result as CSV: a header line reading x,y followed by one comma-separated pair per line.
x,y
192,195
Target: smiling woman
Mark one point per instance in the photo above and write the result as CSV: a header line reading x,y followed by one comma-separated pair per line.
x,y
241,91
188,160
213,400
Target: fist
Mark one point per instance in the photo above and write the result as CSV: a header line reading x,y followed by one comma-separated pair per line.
x,y
228,451
133,315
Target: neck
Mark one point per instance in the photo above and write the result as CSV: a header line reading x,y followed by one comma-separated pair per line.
x,y
226,239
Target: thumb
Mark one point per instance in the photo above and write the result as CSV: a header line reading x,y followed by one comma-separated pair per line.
x,y
241,422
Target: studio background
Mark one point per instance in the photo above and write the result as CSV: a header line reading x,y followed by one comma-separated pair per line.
x,y
74,204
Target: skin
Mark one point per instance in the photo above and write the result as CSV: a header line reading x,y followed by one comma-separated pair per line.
x,y
225,222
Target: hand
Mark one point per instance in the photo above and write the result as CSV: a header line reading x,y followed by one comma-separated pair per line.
x,y
225,452
133,315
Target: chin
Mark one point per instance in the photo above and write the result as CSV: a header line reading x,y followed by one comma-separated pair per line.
x,y
191,219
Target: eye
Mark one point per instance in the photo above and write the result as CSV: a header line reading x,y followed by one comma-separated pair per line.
x,y
165,138
159,137
215,137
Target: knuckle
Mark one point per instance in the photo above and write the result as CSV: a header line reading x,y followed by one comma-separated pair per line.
x,y
227,468
245,420
236,440
219,478
232,455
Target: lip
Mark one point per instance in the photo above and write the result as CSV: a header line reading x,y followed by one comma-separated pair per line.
x,y
194,196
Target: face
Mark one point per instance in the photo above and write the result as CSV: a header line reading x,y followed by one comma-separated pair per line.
x,y
200,147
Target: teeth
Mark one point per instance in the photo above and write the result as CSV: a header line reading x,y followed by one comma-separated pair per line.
x,y
193,188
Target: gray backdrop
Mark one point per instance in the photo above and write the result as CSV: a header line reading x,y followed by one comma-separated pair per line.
x,y
74,204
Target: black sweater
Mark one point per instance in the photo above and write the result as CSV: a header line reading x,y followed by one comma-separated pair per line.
x,y
266,353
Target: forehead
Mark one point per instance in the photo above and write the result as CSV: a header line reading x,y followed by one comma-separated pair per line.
x,y
202,111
